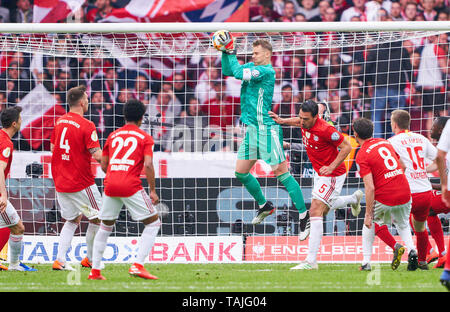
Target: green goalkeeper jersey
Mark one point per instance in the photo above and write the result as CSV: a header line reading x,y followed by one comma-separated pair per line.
x,y
256,90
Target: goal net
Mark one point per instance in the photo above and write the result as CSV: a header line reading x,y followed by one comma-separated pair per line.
x,y
193,111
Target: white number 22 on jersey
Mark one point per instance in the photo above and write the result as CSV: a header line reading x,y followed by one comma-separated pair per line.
x,y
121,143
64,144
389,160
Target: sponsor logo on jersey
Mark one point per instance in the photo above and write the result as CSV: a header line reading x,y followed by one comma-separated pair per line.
x,y
316,138
94,136
335,136
6,152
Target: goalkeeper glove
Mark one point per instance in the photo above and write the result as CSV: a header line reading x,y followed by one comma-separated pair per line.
x,y
227,42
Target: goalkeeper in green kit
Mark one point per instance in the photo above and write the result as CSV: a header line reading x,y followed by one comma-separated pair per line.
x,y
263,137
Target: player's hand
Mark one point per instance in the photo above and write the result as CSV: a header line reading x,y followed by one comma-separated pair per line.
x,y
326,170
154,197
275,117
286,145
368,220
227,42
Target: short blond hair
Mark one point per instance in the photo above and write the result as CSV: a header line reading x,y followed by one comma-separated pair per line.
x,y
263,43
401,118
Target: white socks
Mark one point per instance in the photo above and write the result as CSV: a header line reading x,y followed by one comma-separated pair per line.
x,y
405,234
101,238
90,236
15,247
343,201
147,240
315,237
65,240
368,236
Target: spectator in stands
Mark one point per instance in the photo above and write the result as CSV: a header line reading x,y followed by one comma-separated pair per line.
x,y
107,84
204,89
196,121
307,94
87,74
429,13
309,10
63,84
100,113
51,71
221,110
396,11
263,12
23,12
323,6
432,68
2,101
288,12
330,15
358,9
141,90
373,9
339,7
387,68
443,16
165,113
288,107
332,88
354,103
4,14
278,6
101,10
297,74
182,92
410,11
11,83
300,17
441,5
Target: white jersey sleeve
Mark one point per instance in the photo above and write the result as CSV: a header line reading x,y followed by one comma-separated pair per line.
x,y
413,149
444,143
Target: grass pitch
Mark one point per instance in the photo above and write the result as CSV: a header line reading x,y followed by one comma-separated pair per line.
x,y
227,278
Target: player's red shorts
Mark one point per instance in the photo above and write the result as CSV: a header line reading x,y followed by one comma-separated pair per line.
x,y
421,204
437,204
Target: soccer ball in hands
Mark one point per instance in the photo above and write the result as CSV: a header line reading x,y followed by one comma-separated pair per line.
x,y
222,40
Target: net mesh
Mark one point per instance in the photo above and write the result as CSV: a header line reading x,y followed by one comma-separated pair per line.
x,y
193,115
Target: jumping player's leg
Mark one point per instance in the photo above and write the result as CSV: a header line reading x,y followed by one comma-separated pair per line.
x,y
295,193
242,172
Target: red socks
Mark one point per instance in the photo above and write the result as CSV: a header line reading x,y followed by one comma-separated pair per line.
x,y
383,233
435,226
422,243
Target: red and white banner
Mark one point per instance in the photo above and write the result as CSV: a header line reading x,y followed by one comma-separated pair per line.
x,y
332,249
53,11
192,249
149,10
39,114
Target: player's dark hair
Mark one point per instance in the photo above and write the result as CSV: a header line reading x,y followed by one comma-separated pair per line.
x,y
134,110
441,121
363,127
402,118
10,115
310,106
75,94
263,43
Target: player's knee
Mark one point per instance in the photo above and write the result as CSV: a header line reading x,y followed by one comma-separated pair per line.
x,y
241,176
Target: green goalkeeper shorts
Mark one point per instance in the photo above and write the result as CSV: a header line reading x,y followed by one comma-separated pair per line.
x,y
263,142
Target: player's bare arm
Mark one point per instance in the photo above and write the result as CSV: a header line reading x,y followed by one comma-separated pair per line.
x,y
370,199
3,193
431,167
96,152
104,162
52,147
293,121
150,174
344,149
440,161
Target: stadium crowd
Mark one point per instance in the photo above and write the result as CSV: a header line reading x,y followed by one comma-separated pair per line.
x,y
355,81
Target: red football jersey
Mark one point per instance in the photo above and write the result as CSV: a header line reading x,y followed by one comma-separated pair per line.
x,y
6,151
72,138
377,156
126,148
321,142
